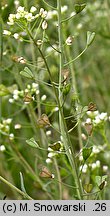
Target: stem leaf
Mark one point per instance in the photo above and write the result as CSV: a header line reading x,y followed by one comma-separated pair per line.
x,y
32,143
27,73
22,183
90,37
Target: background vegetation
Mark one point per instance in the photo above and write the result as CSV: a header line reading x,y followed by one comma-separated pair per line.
x,y
88,80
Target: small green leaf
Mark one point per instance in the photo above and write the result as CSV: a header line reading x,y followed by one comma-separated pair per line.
x,y
22,183
27,73
32,143
66,89
79,7
90,37
3,90
86,153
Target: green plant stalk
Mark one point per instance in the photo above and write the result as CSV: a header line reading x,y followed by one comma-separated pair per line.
x,y
59,179
65,134
42,134
74,84
63,127
15,188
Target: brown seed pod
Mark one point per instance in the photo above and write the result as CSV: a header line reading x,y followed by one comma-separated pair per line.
x,y
43,121
27,98
92,106
45,173
89,128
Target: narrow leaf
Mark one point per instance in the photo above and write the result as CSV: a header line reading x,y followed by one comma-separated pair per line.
x,y
90,37
32,143
27,73
22,183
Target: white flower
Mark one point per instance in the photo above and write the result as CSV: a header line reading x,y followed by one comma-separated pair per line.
x,y
17,126
79,26
80,157
48,133
73,14
43,13
83,136
95,150
44,25
105,168
16,2
48,160
16,36
83,168
11,100
21,60
55,109
51,154
18,16
37,92
11,19
93,166
69,40
98,163
8,121
20,9
6,32
29,17
15,92
64,8
33,9
15,97
103,116
43,98
11,136
39,42
2,148
88,120
34,86
97,120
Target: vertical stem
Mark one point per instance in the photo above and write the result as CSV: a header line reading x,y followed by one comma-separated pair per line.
x,y
63,127
64,131
59,179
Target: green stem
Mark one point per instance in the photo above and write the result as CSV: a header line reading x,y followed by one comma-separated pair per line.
x,y
65,134
63,126
15,188
59,179
76,57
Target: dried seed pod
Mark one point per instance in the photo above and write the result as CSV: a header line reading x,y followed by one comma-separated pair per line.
x,y
89,128
27,98
92,106
45,173
43,121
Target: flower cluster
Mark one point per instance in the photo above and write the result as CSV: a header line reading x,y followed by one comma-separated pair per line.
x,y
5,125
27,94
96,118
5,128
23,15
